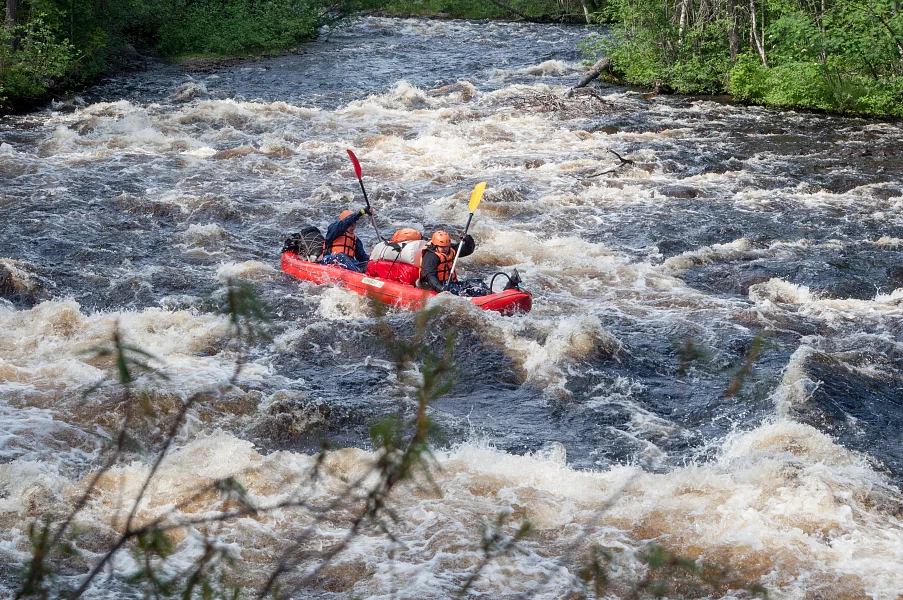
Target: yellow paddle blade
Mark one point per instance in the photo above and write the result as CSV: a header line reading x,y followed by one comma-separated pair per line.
x,y
477,195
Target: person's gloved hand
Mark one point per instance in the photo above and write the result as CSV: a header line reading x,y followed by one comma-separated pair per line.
x,y
468,239
367,211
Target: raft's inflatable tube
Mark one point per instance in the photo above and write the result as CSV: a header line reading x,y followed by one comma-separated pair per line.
x,y
507,302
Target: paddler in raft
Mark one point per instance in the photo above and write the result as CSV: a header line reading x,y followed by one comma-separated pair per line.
x,y
342,247
436,267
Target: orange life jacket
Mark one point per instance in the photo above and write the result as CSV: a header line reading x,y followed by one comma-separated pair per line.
x,y
445,265
344,244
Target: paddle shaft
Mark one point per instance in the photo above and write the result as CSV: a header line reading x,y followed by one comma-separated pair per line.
x,y
451,273
372,221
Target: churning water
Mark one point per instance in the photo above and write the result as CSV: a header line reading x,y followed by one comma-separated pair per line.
x,y
738,245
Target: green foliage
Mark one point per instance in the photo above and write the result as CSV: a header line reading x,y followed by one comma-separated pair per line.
x,y
647,47
844,57
813,86
32,57
237,27
57,45
749,79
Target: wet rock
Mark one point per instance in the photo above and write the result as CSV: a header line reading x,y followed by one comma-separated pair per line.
x,y
679,191
748,283
672,247
506,194
465,90
534,164
18,284
609,129
886,193
291,416
895,274
85,126
232,153
189,91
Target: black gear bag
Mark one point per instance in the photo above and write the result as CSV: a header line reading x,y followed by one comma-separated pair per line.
x,y
307,244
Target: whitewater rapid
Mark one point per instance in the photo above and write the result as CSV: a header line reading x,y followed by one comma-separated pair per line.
x,y
603,417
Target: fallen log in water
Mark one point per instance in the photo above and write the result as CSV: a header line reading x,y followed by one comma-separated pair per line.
x,y
602,66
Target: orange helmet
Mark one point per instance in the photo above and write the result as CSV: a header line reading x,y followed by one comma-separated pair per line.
x,y
345,213
440,238
406,235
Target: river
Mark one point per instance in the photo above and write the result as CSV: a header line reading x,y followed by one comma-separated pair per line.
x,y
712,362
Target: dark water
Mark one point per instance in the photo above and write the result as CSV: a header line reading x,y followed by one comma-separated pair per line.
x,y
737,284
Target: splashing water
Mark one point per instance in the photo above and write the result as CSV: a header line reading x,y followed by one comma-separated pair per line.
x,y
729,229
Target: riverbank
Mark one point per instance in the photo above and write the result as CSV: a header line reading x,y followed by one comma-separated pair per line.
x,y
44,55
843,61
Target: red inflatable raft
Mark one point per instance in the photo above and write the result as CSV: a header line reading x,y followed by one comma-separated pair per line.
x,y
507,302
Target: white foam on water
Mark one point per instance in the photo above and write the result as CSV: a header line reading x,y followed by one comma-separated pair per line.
x,y
50,346
208,234
249,269
25,481
549,67
782,505
740,248
889,243
338,304
796,386
7,150
189,91
202,152
777,294
571,341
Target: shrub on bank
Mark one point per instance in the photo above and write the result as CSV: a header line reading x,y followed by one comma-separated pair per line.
x,y
48,47
844,57
237,27
31,59
811,86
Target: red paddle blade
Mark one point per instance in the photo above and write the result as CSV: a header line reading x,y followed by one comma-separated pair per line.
x,y
357,165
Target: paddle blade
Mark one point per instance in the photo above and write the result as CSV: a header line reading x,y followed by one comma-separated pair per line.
x,y
357,165
477,195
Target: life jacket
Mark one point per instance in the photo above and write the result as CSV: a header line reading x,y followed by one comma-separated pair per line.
x,y
445,264
344,244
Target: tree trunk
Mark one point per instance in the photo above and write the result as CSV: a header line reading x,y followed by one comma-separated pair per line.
x,y
733,38
602,66
513,11
682,23
12,12
12,19
585,11
760,46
